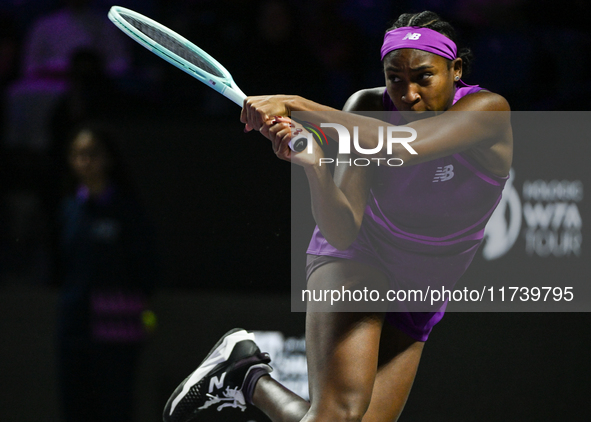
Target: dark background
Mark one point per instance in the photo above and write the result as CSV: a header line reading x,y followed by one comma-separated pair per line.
x,y
219,200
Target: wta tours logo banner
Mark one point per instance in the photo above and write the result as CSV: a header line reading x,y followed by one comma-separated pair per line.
x,y
543,210
545,214
425,221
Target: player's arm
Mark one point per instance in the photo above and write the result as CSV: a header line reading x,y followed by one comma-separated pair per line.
x,y
479,124
468,125
479,121
338,204
260,109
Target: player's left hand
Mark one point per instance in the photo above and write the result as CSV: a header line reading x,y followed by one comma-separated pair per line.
x,y
280,131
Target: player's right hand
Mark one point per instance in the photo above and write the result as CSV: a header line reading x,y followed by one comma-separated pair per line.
x,y
258,110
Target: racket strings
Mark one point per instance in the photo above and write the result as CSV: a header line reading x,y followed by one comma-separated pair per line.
x,y
172,44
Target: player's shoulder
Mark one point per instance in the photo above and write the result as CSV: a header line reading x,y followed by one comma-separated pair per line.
x,y
369,99
483,100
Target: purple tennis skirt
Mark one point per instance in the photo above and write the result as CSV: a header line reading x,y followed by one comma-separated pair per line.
x,y
417,325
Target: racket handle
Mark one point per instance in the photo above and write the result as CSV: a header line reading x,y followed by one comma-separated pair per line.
x,y
299,143
234,94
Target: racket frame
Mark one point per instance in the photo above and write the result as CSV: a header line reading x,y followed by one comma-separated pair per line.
x,y
225,86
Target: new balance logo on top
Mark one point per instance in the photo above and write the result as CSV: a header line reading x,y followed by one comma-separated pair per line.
x,y
444,173
412,36
218,383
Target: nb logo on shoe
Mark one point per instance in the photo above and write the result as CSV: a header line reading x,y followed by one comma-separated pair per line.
x,y
444,173
412,36
217,383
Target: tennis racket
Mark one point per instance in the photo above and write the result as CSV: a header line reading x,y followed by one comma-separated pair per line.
x,y
182,53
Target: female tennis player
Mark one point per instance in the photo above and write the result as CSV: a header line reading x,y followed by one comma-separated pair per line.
x,y
392,227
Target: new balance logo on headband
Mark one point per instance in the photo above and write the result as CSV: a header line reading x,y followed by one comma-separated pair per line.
x,y
412,36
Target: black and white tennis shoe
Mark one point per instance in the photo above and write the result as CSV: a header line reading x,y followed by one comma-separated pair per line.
x,y
219,380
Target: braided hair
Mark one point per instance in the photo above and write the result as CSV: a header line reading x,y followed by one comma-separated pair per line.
x,y
431,20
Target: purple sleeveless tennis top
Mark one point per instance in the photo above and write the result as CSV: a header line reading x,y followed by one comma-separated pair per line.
x,y
422,225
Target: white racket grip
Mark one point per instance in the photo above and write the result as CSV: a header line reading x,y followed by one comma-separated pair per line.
x,y
235,94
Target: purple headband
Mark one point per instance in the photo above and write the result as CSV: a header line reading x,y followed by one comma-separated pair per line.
x,y
421,39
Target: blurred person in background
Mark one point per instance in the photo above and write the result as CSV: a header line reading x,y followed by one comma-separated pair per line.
x,y
48,47
53,39
91,96
47,74
107,273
